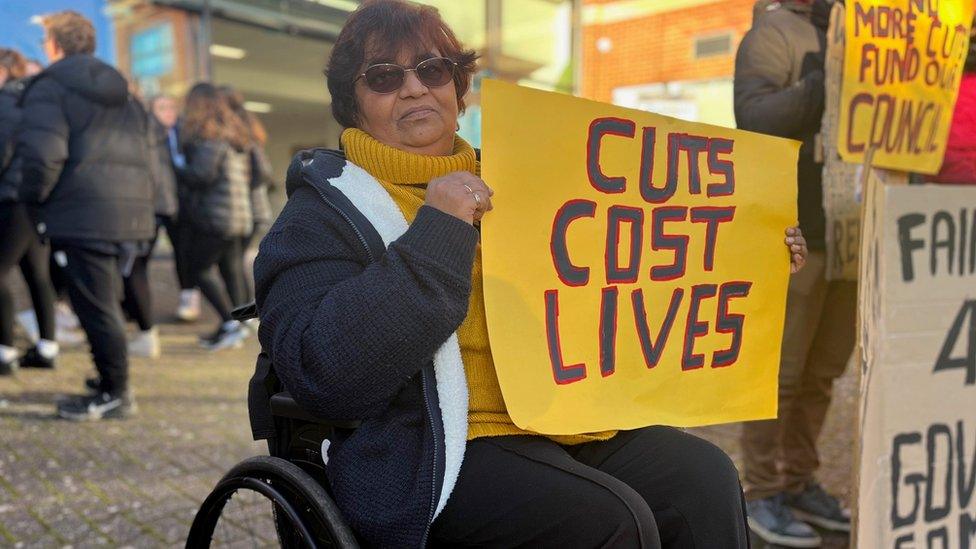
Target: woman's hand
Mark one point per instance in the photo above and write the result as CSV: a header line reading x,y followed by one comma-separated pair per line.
x,y
798,248
461,194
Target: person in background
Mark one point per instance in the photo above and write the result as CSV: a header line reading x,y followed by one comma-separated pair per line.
x,y
138,295
959,165
85,167
261,179
19,243
217,176
166,111
779,90
33,68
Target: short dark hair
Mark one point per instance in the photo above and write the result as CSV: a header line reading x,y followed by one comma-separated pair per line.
x,y
376,32
71,31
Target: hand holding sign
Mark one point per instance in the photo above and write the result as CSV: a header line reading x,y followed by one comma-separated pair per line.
x,y
798,249
634,269
461,194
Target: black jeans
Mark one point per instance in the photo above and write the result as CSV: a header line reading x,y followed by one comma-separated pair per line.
x,y
94,284
652,487
179,233
138,302
20,245
205,253
231,267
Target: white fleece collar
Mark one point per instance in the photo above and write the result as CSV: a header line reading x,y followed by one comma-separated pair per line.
x,y
369,197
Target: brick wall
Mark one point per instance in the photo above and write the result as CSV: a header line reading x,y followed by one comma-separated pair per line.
x,y
659,47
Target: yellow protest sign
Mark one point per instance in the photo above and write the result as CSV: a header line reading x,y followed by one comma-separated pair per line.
x,y
902,67
634,265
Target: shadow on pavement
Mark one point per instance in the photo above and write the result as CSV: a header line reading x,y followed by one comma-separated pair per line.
x,y
831,540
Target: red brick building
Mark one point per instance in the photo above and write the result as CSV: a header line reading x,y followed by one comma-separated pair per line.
x,y
675,57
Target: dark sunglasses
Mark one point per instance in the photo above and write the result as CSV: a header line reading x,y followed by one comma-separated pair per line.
x,y
388,77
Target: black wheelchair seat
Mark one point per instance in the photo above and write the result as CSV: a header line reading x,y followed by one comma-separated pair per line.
x,y
284,406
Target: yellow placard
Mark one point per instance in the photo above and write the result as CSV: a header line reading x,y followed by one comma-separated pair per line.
x,y
902,66
634,266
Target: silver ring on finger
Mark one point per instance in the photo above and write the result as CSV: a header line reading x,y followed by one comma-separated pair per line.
x,y
470,190
477,198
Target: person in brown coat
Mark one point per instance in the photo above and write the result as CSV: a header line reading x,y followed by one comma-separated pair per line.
x,y
779,90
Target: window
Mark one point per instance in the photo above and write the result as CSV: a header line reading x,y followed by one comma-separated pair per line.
x,y
713,45
152,51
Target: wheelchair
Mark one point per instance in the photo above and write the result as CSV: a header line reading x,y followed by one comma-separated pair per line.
x,y
282,499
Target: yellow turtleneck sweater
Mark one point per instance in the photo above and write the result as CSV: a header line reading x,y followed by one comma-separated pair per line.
x,y
405,176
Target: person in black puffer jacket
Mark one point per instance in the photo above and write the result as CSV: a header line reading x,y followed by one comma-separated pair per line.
x,y
217,176
20,243
85,168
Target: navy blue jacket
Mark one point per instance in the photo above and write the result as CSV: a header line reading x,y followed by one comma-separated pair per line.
x,y
352,327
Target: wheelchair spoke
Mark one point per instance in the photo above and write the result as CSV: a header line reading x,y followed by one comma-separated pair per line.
x,y
269,502
245,517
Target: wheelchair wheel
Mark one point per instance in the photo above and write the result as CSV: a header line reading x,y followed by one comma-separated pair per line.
x,y
269,502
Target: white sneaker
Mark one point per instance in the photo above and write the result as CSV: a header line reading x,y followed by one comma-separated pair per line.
x,y
146,344
227,336
189,307
252,325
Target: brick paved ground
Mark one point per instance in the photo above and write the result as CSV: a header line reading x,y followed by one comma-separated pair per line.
x,y
138,482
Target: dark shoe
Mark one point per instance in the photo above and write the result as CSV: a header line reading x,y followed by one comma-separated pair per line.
x,y
229,334
34,359
97,406
8,368
93,383
773,521
816,506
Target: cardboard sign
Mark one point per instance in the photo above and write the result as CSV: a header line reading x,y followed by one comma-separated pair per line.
x,y
634,265
841,180
917,290
903,64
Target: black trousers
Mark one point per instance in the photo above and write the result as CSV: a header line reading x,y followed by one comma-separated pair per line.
x,y
94,284
138,304
231,267
179,233
652,487
205,254
20,245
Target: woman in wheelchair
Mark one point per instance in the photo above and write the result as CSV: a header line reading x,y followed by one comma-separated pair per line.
x,y
369,288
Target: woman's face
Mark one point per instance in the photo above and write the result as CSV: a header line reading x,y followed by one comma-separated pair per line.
x,y
414,118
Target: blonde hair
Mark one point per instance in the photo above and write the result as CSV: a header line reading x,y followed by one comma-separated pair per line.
x,y
71,31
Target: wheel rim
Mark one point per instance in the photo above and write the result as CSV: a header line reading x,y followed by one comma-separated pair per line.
x,y
250,512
